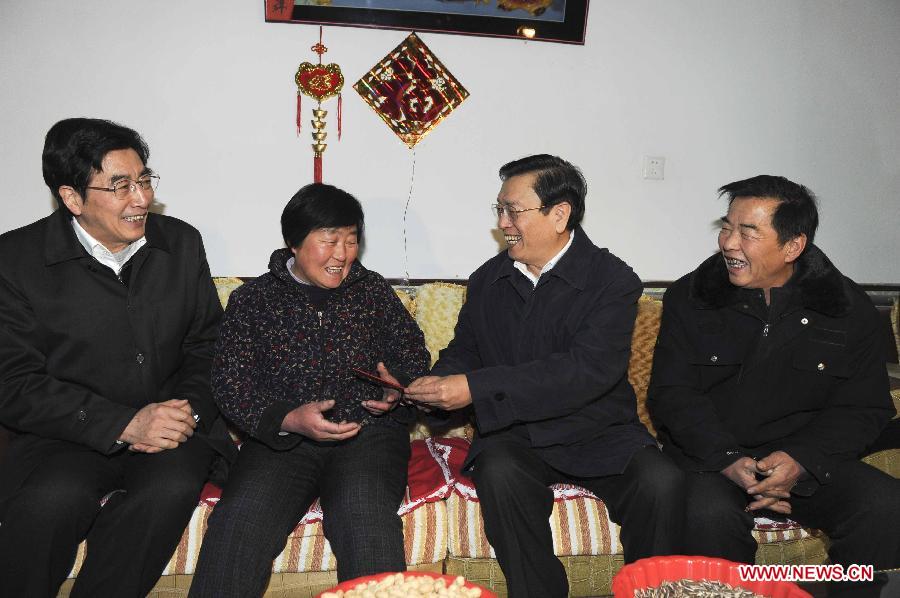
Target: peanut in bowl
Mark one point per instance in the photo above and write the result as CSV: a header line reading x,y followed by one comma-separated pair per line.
x,y
411,584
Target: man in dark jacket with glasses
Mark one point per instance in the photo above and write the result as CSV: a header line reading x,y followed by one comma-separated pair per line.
x,y
108,318
540,355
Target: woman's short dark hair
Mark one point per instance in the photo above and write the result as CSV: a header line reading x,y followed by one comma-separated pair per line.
x,y
796,213
318,205
557,182
75,147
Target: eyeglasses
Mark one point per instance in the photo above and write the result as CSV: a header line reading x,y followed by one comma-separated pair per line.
x,y
499,209
123,188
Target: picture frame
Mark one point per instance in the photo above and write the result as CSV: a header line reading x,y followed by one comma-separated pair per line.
x,y
562,21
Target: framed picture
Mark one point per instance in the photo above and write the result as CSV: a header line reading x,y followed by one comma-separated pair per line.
x,y
543,20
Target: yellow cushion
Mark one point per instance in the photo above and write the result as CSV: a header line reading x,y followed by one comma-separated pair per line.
x,y
407,300
224,286
437,308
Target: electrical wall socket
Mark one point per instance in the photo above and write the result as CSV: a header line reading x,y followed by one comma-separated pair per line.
x,y
654,168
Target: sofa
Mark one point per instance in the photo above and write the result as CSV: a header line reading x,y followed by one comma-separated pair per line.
x,y
443,529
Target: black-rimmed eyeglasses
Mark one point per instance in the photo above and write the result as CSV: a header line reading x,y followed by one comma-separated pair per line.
x,y
123,188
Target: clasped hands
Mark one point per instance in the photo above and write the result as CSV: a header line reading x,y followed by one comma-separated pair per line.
x,y
159,426
779,471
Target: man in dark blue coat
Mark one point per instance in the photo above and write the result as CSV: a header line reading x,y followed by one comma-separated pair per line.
x,y
108,319
540,354
768,383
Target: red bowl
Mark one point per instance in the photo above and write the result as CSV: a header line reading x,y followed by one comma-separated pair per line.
x,y
651,572
352,583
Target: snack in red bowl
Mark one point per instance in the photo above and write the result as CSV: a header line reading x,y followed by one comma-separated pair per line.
x,y
682,575
411,584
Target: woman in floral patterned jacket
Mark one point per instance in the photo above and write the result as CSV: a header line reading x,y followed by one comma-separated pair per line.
x,y
283,374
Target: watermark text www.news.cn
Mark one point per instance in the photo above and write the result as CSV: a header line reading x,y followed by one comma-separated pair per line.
x,y
804,573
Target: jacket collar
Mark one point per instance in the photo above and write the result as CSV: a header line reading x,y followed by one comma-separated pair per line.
x,y
61,244
816,283
278,269
573,266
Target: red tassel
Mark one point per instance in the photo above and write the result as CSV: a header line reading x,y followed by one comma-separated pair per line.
x,y
317,169
340,109
299,113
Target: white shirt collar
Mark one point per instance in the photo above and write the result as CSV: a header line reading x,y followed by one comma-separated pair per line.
x,y
521,267
113,261
290,269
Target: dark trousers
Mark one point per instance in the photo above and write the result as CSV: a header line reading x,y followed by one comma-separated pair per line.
x,y
360,481
859,510
647,500
129,540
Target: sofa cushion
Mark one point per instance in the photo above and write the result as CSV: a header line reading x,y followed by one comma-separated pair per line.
x,y
307,549
428,475
643,343
424,541
437,309
580,523
224,287
580,526
425,532
767,531
428,480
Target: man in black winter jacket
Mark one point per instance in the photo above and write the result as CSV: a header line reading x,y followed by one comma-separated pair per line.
x,y
769,382
108,319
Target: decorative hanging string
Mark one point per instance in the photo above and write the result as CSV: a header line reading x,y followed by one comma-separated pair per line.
x,y
299,117
340,114
320,82
412,179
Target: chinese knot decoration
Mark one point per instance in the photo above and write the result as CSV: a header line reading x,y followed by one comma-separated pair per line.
x,y
320,82
411,90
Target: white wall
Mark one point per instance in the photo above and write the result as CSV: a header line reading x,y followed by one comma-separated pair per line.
x,y
723,89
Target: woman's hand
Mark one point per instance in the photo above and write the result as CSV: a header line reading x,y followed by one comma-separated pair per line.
x,y
389,396
307,420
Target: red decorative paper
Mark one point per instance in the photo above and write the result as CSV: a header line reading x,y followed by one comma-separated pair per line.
x,y
411,90
279,10
319,81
